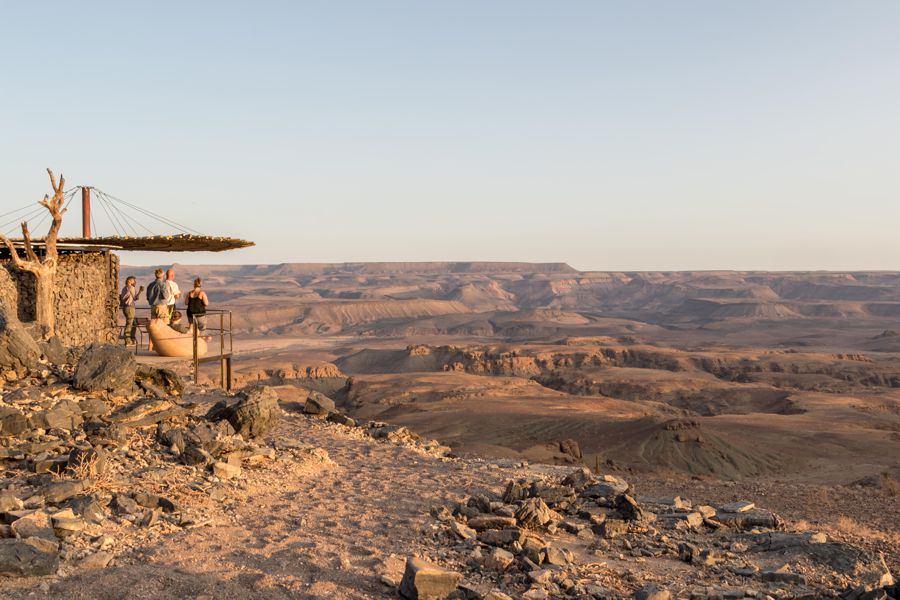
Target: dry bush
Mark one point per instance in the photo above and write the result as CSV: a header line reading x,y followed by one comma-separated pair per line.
x,y
94,479
848,525
889,485
801,525
821,495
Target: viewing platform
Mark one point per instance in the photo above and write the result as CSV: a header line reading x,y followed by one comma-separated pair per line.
x,y
219,337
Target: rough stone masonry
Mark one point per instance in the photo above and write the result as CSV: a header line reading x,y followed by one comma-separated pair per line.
x,y
86,299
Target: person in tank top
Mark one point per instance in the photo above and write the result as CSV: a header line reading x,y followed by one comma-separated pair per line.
x,y
196,302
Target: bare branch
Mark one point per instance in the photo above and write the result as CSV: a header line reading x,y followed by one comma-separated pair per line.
x,y
12,251
50,255
29,249
52,180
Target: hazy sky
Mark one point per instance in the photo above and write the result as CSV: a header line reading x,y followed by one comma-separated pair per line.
x,y
609,135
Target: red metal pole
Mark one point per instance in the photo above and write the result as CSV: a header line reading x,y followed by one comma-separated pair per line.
x,y
86,212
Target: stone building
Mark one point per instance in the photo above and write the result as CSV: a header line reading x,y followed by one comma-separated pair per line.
x,y
86,299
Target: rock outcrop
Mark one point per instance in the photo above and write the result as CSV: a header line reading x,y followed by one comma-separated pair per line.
x,y
18,351
251,413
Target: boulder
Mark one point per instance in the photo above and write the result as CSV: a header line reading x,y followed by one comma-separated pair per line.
x,y
9,502
318,404
154,501
60,491
611,528
392,433
105,367
340,419
499,559
158,382
64,415
425,581
97,560
54,351
608,487
12,421
534,514
464,532
515,491
554,555
501,537
570,447
66,524
652,591
552,494
484,522
18,350
32,524
630,510
578,479
223,470
28,557
252,413
88,508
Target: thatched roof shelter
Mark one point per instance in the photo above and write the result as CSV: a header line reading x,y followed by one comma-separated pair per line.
x,y
162,243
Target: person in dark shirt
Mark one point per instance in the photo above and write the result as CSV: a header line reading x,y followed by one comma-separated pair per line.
x,y
197,301
158,296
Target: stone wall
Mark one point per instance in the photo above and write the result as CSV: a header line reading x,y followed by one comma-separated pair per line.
x,y
86,298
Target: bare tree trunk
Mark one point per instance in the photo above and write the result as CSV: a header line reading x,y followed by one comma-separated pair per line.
x,y
44,298
43,269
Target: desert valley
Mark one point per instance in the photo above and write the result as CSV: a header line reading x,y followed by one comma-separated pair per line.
x,y
728,375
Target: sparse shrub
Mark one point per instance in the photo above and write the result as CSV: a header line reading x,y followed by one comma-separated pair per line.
x,y
889,485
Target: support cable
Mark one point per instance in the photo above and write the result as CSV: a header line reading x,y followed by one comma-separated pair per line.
x,y
161,219
108,216
133,220
121,217
15,222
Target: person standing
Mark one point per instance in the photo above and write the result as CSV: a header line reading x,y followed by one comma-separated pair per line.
x,y
127,297
197,302
174,292
158,297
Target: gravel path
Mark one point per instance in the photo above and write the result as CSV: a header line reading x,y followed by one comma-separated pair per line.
x,y
302,526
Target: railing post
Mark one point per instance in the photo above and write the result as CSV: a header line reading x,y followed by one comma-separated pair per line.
x,y
196,358
222,347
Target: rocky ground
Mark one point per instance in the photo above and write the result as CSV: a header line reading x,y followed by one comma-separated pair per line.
x,y
121,482
321,509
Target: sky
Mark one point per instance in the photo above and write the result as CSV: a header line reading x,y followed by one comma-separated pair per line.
x,y
608,135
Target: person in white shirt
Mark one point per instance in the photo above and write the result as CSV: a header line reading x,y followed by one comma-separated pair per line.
x,y
174,292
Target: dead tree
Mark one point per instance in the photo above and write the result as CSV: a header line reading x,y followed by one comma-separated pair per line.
x,y
43,268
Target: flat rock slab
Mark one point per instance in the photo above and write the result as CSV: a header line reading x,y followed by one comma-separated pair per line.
x,y
423,580
29,557
144,413
484,522
738,507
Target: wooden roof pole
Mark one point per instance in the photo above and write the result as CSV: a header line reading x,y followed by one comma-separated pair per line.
x,y
85,212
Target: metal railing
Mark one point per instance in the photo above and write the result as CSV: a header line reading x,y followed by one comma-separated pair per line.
x,y
224,357
224,332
